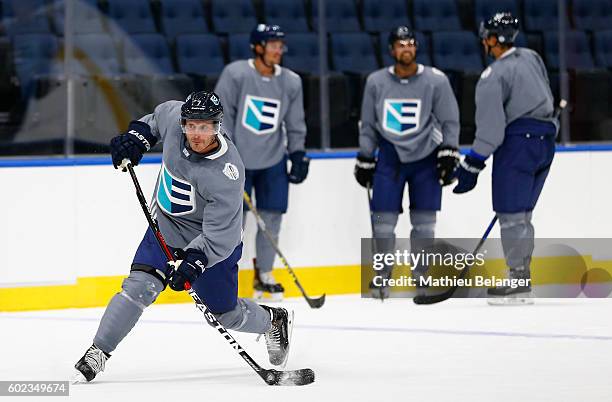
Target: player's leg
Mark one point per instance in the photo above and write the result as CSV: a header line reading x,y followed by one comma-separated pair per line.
x,y
272,195
218,289
248,188
387,192
138,291
425,194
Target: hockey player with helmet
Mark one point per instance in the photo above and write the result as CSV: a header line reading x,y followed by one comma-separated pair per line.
x,y
198,205
516,123
265,118
410,114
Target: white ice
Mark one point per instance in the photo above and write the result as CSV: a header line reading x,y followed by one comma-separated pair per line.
x,y
360,350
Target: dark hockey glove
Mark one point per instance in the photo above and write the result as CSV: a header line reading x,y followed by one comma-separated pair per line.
x,y
448,159
187,270
132,144
364,170
467,173
299,167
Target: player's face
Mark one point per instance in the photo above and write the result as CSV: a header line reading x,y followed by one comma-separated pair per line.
x,y
273,52
201,134
404,51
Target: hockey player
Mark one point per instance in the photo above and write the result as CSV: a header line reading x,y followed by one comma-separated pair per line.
x,y
515,123
264,111
198,205
410,114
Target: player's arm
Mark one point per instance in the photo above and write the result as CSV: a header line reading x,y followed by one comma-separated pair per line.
x,y
446,111
142,134
490,130
366,164
228,90
296,134
221,228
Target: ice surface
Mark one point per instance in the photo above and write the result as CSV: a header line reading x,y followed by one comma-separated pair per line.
x,y
361,350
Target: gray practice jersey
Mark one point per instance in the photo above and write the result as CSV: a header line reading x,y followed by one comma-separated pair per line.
x,y
415,114
515,85
264,116
198,198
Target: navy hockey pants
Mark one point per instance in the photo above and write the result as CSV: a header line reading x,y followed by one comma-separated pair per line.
x,y
271,187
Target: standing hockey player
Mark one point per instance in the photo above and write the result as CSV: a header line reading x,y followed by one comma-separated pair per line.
x,y
515,123
198,205
409,112
264,111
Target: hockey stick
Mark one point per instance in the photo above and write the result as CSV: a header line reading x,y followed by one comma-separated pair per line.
x,y
373,242
270,376
314,303
432,299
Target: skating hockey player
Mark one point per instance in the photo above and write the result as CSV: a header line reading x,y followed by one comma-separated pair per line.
x,y
515,123
198,205
265,118
410,114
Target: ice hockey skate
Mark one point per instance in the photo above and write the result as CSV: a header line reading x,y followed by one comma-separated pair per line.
x,y
509,296
278,337
265,284
90,365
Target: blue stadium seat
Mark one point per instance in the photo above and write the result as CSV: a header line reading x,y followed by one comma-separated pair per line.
x,y
131,16
484,9
577,51
341,16
182,17
540,15
436,15
147,54
101,54
289,14
233,16
353,53
302,53
25,16
199,54
603,48
423,51
457,51
382,19
592,15
35,55
239,47
87,17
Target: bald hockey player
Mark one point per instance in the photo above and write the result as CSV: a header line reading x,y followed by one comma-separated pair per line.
x,y
265,118
198,205
410,115
515,123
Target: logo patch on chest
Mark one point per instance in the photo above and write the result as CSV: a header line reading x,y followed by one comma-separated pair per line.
x,y
260,115
175,196
401,116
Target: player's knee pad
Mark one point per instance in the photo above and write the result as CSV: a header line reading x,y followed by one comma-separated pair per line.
x,y
514,224
247,316
423,223
383,224
141,288
272,220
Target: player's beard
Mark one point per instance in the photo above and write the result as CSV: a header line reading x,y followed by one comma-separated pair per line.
x,y
202,144
405,59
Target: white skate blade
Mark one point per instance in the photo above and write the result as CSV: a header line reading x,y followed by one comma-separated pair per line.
x,y
257,295
77,378
260,295
289,333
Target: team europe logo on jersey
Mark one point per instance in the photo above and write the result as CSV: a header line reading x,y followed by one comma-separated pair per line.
x,y
175,196
401,116
260,115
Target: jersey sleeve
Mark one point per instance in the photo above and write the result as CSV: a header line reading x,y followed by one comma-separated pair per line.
x,y
446,111
222,217
490,114
367,125
228,90
162,117
294,120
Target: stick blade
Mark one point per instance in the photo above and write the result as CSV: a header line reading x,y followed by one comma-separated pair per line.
x,y
431,299
289,378
316,303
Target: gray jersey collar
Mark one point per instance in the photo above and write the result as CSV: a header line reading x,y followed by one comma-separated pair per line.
x,y
508,53
391,69
277,68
